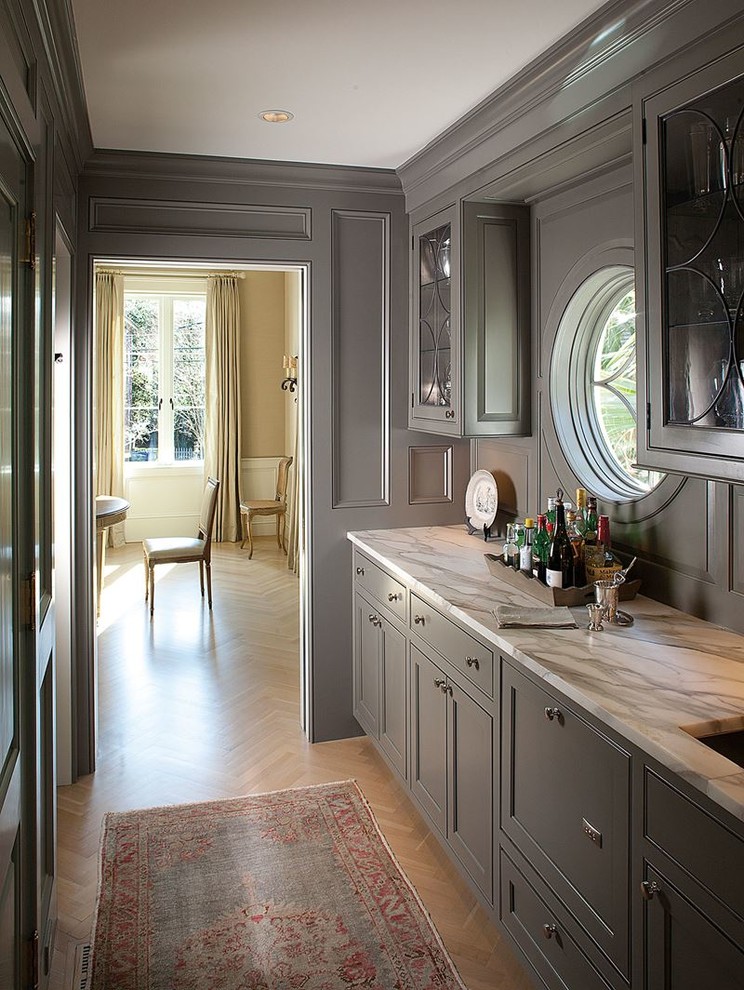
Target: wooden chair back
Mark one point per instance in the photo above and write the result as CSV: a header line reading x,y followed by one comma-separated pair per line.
x,y
282,478
208,511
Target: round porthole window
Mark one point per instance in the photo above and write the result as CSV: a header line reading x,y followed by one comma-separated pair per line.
x,y
593,386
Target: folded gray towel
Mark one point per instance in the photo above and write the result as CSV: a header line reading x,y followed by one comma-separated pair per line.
x,y
514,616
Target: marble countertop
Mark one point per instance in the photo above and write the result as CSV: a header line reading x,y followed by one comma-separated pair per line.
x,y
666,671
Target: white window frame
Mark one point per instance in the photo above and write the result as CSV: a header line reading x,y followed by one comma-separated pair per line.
x,y
165,291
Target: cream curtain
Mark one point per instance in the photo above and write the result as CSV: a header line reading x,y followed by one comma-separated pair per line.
x,y
222,442
294,496
109,384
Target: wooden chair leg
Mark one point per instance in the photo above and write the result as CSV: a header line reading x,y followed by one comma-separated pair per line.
x,y
201,577
147,577
209,584
242,525
278,530
250,536
284,532
152,589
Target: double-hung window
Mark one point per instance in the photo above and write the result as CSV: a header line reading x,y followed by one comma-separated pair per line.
x,y
164,376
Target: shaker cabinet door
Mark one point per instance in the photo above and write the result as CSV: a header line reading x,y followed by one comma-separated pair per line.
x,y
429,738
684,949
471,787
366,666
393,696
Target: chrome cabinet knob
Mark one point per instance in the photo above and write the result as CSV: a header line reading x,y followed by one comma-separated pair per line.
x,y
473,662
549,931
419,620
649,888
439,682
449,414
552,713
394,598
448,689
360,571
375,620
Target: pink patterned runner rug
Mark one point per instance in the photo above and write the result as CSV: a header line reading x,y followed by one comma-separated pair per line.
x,y
295,890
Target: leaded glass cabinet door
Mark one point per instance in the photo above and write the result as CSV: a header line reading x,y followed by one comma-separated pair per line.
x,y
693,218
435,325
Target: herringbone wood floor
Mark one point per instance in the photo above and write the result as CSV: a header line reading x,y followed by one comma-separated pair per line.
x,y
194,706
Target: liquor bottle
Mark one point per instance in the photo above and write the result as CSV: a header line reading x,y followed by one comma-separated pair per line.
x,y
581,510
559,571
550,514
592,522
525,551
604,542
577,543
519,540
540,549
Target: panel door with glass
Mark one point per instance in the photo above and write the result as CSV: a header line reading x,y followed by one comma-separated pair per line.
x,y
693,272
435,327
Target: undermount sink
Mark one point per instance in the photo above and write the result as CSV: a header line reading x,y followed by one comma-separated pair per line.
x,y
726,738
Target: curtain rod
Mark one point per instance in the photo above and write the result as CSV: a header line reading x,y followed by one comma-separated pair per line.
x,y
134,273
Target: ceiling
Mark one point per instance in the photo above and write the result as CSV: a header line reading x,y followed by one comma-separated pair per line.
x,y
368,83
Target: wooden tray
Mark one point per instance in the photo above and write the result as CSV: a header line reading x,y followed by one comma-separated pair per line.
x,y
552,596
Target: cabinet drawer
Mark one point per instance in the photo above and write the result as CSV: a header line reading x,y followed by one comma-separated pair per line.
x,y
705,848
542,935
462,650
381,585
565,803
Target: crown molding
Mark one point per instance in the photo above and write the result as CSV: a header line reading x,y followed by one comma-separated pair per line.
x,y
110,163
56,27
598,59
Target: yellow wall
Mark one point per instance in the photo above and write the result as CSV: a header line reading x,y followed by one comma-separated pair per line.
x,y
262,344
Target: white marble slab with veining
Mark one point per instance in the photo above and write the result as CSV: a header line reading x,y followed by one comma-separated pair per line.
x,y
668,670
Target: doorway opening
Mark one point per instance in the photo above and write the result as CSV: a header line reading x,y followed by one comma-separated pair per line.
x,y
163,470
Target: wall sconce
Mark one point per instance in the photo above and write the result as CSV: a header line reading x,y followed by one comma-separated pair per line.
x,y
290,373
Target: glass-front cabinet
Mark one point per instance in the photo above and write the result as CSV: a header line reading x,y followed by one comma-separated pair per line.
x,y
692,271
470,321
436,398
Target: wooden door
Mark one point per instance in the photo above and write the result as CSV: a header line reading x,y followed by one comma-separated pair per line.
x,y
15,826
429,738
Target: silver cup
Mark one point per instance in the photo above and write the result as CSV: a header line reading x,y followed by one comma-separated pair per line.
x,y
607,594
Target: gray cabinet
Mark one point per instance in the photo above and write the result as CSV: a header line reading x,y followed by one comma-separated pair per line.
x,y
452,753
565,804
380,696
690,274
470,321
496,319
684,949
691,892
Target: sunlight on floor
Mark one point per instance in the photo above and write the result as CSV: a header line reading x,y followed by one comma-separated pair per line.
x,y
118,593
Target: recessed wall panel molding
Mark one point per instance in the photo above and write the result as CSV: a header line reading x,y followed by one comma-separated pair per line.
x,y
159,216
429,474
736,537
360,374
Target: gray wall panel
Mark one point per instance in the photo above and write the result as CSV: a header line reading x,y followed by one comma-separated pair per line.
x,y
215,219
360,274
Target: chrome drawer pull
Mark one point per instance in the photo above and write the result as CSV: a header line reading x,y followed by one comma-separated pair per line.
x,y
449,414
649,888
550,930
419,620
551,713
473,662
439,682
360,571
448,689
394,598
375,620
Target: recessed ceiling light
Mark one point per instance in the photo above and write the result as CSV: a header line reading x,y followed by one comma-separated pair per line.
x,y
276,116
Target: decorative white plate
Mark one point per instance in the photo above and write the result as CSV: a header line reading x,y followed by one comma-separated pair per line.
x,y
481,499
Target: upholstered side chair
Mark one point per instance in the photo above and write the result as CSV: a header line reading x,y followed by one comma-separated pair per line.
x,y
276,506
185,549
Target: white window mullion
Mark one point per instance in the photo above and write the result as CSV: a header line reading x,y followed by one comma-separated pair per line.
x,y
167,454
